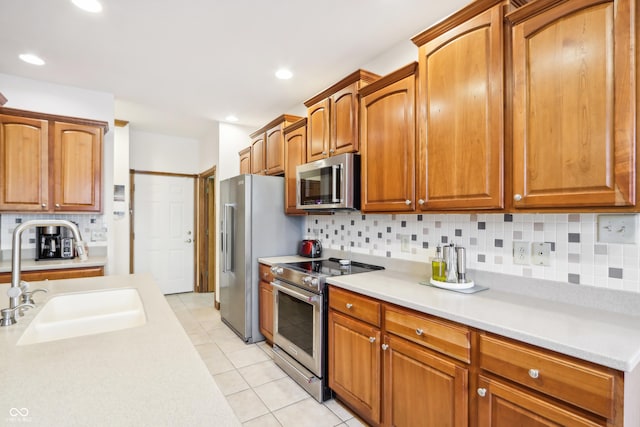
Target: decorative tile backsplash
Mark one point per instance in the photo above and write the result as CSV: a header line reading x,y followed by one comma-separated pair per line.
x,y
8,223
576,256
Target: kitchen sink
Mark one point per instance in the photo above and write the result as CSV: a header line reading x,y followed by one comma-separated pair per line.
x,y
85,313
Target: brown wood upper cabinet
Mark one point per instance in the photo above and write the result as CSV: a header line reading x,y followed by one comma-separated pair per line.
x,y
461,110
245,160
388,142
574,103
267,146
295,153
50,163
332,117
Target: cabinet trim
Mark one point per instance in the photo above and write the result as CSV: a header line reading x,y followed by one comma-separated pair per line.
x,y
55,118
366,76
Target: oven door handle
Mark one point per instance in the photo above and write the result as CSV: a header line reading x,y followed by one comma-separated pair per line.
x,y
298,295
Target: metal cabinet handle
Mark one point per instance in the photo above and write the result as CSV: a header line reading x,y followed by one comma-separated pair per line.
x,y
517,197
419,331
324,153
421,202
385,346
534,373
372,339
332,151
57,205
349,306
482,392
44,206
407,202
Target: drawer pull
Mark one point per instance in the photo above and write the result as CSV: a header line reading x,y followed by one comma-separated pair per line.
x,y
482,392
349,305
385,346
372,339
419,331
534,373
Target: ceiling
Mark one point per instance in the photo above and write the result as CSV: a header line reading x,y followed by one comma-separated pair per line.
x,y
175,66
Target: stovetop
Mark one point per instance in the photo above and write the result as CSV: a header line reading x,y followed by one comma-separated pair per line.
x,y
331,267
312,274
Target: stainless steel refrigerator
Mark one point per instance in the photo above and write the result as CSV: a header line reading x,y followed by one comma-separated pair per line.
x,y
253,225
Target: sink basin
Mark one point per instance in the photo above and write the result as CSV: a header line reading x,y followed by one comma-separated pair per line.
x,y
87,313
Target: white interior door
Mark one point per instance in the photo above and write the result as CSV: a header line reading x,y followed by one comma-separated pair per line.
x,y
164,230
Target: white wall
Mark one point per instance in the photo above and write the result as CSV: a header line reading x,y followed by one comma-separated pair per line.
x,y
121,217
33,95
164,153
398,56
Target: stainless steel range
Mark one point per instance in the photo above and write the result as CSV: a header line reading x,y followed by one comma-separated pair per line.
x,y
300,319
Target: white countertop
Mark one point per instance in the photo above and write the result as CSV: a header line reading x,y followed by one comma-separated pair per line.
x,y
149,375
54,264
604,337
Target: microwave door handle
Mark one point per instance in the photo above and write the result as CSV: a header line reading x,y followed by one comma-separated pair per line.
x,y
335,169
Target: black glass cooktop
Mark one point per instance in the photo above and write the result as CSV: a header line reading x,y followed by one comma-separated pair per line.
x,y
331,267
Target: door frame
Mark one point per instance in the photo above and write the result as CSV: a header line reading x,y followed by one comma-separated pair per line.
x,y
206,231
132,174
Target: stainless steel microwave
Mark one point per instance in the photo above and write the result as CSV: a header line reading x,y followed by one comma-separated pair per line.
x,y
329,184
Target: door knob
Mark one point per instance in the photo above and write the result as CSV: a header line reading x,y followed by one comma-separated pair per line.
x,y
188,241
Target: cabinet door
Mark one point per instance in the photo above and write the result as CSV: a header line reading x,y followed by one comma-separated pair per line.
x,y
423,389
245,161
266,310
388,148
257,155
318,131
295,153
344,121
574,105
354,364
77,170
501,405
461,123
24,161
274,151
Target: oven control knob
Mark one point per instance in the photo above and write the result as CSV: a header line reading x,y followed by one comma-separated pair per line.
x,y
314,281
306,280
277,270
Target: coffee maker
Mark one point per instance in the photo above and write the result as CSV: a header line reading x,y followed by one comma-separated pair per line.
x,y
53,242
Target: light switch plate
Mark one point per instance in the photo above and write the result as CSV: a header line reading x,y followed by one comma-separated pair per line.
x,y
617,228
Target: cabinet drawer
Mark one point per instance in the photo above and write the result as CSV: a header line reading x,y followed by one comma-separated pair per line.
x,y
354,305
440,335
574,381
265,273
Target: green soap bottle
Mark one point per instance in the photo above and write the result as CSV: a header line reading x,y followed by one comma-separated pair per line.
x,y
438,267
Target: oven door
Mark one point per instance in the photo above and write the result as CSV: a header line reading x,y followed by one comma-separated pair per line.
x,y
297,324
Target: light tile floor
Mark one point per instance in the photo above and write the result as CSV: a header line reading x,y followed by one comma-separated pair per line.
x,y
258,391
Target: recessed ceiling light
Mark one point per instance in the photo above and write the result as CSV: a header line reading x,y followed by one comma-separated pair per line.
x,y
284,74
31,59
231,118
92,6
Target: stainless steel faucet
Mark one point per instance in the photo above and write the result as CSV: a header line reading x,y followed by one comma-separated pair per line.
x,y
14,292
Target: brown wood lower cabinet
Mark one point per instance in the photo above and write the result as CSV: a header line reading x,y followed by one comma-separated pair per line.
x,y
64,273
503,405
421,387
398,367
354,364
265,301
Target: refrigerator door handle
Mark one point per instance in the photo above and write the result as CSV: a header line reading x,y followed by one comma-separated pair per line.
x,y
227,241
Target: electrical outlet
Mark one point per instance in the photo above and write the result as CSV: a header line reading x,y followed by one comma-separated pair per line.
x,y
618,228
99,235
521,253
540,253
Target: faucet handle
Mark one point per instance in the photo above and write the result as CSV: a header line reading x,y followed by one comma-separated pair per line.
x,y
24,285
27,297
13,292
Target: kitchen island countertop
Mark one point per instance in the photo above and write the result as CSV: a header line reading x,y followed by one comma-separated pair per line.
x,y
150,375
